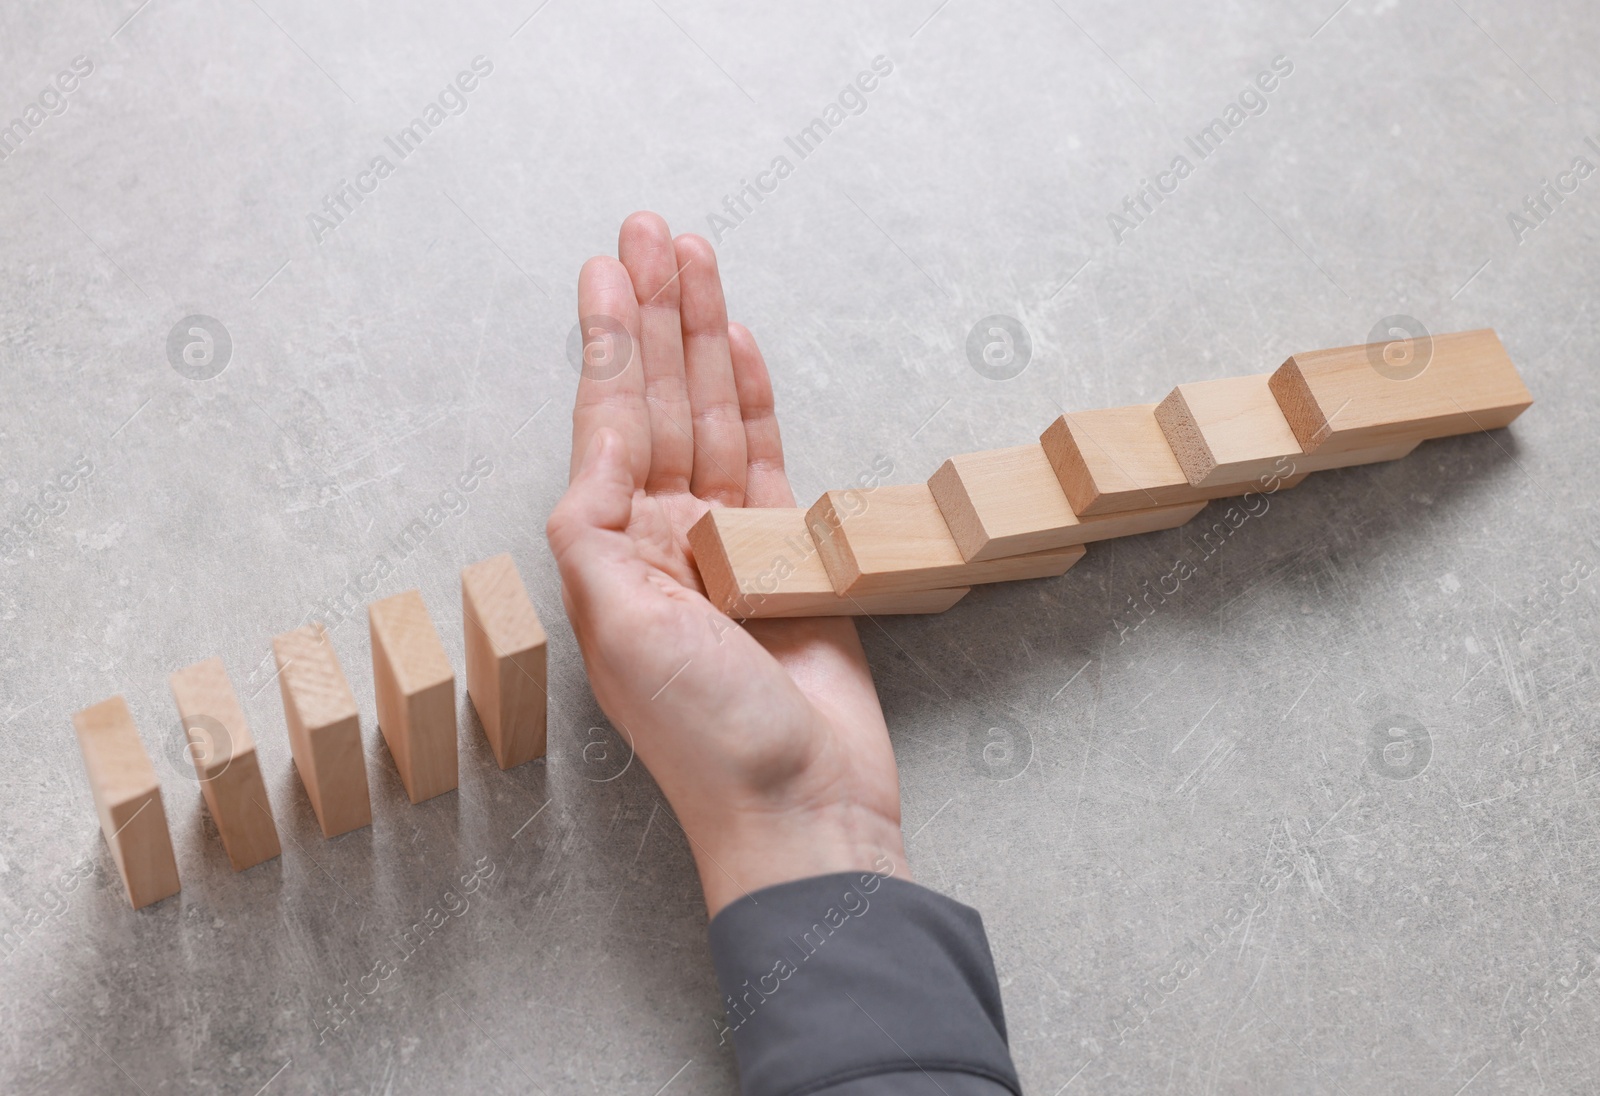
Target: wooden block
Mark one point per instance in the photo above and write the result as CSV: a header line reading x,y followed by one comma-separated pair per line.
x,y
128,799
1321,461
889,539
1117,459
1008,502
324,729
761,562
224,757
416,691
1232,431
505,659
1337,400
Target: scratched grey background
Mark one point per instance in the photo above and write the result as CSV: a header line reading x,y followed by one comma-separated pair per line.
x,y
1105,783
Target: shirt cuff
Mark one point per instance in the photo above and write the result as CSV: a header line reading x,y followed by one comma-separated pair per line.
x,y
834,980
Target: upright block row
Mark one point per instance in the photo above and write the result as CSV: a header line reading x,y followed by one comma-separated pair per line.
x,y
1029,510
416,702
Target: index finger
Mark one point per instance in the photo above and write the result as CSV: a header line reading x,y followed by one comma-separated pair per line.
x,y
611,385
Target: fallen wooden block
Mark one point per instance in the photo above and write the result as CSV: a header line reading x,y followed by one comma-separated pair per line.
x,y
761,562
1008,502
1338,400
324,729
1116,459
416,692
1232,431
127,797
505,659
224,757
894,538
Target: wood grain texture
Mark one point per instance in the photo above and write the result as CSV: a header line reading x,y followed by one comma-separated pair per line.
x,y
506,660
761,562
1232,431
1324,461
224,755
324,729
1226,431
1008,502
1117,459
416,694
127,797
1338,400
894,538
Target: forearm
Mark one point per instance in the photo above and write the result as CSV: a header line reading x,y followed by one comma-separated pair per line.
x,y
855,984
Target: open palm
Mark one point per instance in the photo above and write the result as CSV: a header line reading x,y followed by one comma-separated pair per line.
x,y
767,739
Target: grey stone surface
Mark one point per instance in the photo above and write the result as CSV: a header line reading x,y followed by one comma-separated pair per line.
x,y
1197,873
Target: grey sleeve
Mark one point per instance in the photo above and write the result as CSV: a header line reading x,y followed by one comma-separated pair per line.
x,y
860,985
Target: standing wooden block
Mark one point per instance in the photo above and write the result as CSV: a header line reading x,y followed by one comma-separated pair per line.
x,y
224,756
128,799
416,694
1008,502
1338,400
1117,459
324,729
505,659
1233,431
889,539
761,562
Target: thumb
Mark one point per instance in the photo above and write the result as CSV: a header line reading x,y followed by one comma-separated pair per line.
x,y
601,570
589,525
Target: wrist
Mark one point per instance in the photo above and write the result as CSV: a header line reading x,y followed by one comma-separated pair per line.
x,y
741,852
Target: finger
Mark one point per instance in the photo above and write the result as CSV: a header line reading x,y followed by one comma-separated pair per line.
x,y
587,530
719,451
645,248
611,388
765,481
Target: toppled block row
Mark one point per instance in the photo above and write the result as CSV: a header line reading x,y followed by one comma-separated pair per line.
x,y
895,540
1008,501
1119,459
1232,429
1363,397
1327,409
1027,511
1222,438
764,563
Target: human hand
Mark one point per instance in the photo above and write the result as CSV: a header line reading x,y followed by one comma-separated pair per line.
x,y
767,739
